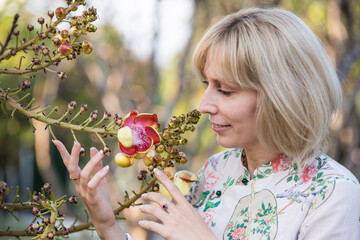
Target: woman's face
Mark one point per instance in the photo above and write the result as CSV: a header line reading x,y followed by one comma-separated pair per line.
x,y
231,108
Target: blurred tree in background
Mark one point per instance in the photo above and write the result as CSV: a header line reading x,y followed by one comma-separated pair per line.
x,y
115,79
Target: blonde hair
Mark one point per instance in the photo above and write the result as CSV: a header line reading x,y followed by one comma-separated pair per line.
x,y
274,52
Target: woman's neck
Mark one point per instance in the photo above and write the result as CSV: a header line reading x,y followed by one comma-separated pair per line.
x,y
256,157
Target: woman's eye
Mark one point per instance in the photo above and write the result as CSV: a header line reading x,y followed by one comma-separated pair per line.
x,y
205,83
226,93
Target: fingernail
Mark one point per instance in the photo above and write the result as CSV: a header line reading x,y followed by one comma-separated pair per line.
x,y
53,140
141,222
143,195
141,207
92,148
157,172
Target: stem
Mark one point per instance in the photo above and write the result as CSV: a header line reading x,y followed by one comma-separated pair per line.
x,y
25,96
102,141
51,132
98,122
50,121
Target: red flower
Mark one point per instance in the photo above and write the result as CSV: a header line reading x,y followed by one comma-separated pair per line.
x,y
138,134
309,172
238,233
280,163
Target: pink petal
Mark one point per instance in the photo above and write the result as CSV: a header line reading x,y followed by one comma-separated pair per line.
x,y
145,145
153,134
146,119
129,120
131,151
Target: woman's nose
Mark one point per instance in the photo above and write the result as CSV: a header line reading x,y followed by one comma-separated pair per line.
x,y
207,102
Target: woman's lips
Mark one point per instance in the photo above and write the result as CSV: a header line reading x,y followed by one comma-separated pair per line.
x,y
219,128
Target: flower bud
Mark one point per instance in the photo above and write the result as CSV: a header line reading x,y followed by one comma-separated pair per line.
x,y
33,227
148,157
73,7
36,198
16,32
71,106
35,60
36,211
87,47
62,75
107,150
45,51
51,14
65,49
41,20
157,158
83,108
56,40
26,84
47,187
91,27
160,148
82,151
30,27
124,160
60,11
142,175
50,235
46,221
94,115
73,199
3,187
166,135
74,31
64,33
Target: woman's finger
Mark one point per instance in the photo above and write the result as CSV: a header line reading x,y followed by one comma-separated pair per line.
x,y
89,168
158,198
73,166
94,182
99,165
174,191
63,152
155,211
154,227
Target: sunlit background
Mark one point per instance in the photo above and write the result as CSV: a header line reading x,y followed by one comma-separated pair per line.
x,y
142,60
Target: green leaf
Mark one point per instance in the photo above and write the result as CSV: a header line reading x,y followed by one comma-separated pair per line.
x,y
268,171
320,174
296,178
289,179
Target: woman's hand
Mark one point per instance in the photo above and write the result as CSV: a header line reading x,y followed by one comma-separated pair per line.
x,y
178,219
92,190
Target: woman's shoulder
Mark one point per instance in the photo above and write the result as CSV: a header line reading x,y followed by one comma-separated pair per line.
x,y
330,180
327,166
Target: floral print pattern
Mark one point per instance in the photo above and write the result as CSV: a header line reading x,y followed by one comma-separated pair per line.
x,y
278,202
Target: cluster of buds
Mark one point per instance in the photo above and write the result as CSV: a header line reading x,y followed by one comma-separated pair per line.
x,y
42,206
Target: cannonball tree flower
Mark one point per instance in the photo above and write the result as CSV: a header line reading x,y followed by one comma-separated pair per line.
x,y
138,134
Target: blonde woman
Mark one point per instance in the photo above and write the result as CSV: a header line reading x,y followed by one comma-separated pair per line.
x,y
270,93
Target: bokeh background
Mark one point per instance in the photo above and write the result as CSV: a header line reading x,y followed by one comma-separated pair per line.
x,y
142,60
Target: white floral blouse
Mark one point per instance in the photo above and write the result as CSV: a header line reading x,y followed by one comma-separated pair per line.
x,y
279,202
